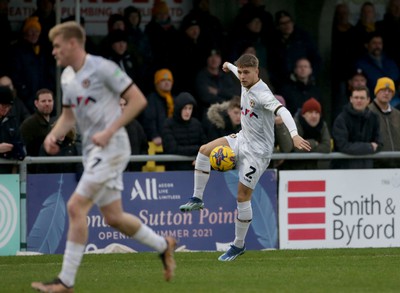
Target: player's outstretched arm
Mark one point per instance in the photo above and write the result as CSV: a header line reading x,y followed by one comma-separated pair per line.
x,y
226,67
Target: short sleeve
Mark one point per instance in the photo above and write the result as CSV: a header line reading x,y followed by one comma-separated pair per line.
x,y
115,79
269,101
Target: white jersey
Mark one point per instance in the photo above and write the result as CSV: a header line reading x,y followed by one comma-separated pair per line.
x,y
93,93
258,106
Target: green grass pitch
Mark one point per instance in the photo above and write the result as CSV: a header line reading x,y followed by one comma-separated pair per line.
x,y
321,270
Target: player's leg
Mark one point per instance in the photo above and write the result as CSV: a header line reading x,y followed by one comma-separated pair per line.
x,y
242,223
202,174
131,226
250,170
78,208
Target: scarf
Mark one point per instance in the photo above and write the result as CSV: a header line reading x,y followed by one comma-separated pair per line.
x,y
169,100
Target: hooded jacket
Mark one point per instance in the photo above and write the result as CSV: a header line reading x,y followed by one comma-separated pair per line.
x,y
219,123
182,137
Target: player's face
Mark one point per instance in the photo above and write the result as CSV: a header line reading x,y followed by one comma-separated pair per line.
x,y
359,100
187,112
248,76
62,51
312,118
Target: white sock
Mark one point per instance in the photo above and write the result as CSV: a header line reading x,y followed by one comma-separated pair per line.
x,y
72,259
242,223
147,236
201,175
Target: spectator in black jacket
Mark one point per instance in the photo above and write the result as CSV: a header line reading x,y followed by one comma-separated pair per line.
x,y
213,85
183,134
291,43
137,139
160,106
35,128
69,146
356,131
11,146
300,87
223,119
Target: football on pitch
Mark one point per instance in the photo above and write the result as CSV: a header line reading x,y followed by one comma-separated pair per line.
x,y
222,158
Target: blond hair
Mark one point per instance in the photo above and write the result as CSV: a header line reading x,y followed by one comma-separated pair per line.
x,y
247,60
68,30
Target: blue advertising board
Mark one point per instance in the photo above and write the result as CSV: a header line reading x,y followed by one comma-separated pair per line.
x,y
155,198
9,214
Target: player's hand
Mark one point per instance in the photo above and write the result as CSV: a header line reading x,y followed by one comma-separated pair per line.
x,y
50,144
301,143
5,147
225,67
102,138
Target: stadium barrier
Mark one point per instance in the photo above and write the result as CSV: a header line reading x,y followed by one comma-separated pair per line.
x,y
338,227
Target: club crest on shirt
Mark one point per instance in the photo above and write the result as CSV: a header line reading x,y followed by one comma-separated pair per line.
x,y
252,103
86,83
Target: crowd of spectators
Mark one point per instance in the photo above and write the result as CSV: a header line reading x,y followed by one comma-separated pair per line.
x,y
179,70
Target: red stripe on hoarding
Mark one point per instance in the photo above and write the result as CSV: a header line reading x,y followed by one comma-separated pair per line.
x,y
306,218
306,234
306,186
306,202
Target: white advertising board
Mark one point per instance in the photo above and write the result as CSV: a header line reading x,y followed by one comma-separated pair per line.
x,y
97,12
339,208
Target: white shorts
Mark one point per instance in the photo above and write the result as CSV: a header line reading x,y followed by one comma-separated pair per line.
x,y
103,168
249,165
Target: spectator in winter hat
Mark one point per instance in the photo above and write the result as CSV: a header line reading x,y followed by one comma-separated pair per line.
x,y
162,36
160,106
315,130
389,121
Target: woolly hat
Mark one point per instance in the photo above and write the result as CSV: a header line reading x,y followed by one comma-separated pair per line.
x,y
6,96
163,74
160,7
384,83
311,105
32,22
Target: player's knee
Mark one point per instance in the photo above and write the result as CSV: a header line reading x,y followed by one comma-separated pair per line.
x,y
204,150
74,209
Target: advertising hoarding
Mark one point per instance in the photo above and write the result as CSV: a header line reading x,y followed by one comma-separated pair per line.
x,y
339,208
155,199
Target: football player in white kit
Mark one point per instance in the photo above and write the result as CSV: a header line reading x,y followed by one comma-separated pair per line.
x,y
92,87
253,147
